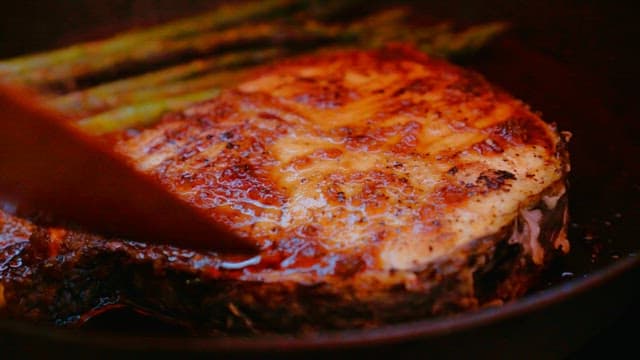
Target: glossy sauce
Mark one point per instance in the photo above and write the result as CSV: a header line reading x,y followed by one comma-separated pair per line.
x,y
351,161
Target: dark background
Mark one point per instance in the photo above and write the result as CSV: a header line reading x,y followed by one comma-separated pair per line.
x,y
574,61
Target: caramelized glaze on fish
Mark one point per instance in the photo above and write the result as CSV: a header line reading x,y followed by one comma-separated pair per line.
x,y
380,186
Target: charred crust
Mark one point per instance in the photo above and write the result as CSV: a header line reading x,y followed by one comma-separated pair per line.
x,y
495,179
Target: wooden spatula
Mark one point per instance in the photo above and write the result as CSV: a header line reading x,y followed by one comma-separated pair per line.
x,y
48,165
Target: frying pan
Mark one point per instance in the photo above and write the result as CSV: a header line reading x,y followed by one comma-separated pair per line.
x,y
573,61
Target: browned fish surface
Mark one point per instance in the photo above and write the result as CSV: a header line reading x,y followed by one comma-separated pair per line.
x,y
388,157
384,181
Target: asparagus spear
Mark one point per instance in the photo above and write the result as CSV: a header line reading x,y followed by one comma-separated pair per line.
x,y
210,81
196,35
120,45
105,96
140,114
154,51
122,92
147,53
451,44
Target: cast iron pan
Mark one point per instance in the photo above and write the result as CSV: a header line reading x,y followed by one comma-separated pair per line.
x,y
575,62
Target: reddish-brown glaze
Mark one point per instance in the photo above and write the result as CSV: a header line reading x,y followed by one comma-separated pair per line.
x,y
352,161
379,185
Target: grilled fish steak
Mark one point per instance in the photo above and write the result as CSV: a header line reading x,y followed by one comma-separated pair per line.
x,y
381,186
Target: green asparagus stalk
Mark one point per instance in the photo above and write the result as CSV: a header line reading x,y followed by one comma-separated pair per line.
x,y
127,91
78,58
154,51
196,35
149,52
109,95
451,44
210,81
140,114
440,39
